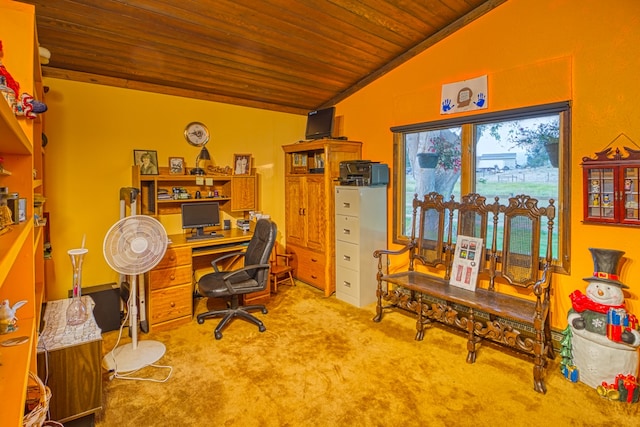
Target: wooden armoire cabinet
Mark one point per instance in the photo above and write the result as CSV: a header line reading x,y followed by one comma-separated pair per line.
x,y
311,172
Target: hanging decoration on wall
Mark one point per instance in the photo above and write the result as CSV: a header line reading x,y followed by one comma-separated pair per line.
x,y
466,95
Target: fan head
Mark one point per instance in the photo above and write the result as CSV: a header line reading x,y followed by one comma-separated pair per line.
x,y
135,244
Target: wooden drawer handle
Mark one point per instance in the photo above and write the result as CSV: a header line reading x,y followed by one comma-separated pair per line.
x,y
313,276
173,304
314,260
172,277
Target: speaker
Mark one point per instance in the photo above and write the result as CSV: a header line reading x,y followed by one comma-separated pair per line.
x,y
227,224
107,308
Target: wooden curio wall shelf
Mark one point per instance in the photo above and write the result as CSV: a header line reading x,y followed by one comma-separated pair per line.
x,y
610,183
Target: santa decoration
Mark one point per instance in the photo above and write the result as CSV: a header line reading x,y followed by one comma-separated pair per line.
x,y
604,336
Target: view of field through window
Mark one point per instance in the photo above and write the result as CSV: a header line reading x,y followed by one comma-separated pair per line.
x,y
511,158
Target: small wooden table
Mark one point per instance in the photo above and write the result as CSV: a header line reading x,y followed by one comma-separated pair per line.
x,y
74,354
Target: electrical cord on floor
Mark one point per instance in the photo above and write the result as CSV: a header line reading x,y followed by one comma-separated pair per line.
x,y
113,372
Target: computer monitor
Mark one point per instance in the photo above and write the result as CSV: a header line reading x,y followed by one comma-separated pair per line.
x,y
320,123
198,215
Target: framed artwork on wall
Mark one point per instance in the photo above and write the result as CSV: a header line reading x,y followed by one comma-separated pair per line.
x,y
176,165
242,164
147,160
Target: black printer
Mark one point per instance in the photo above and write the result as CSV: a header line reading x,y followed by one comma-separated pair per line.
x,y
363,173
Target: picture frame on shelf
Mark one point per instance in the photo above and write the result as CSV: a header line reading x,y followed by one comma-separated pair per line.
x,y
22,209
147,160
299,162
242,164
176,166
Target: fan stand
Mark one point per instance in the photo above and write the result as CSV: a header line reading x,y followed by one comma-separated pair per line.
x,y
134,355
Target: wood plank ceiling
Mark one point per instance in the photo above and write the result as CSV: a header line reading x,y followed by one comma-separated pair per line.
x,y
284,55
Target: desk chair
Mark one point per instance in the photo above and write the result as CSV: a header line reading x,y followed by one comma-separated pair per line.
x,y
253,277
281,269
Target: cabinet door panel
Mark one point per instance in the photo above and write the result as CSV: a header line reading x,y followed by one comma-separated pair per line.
x,y
316,218
295,202
243,193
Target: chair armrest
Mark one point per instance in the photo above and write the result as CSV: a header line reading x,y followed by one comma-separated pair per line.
x,y
214,263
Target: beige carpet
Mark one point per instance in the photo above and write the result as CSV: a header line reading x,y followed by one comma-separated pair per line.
x,y
323,362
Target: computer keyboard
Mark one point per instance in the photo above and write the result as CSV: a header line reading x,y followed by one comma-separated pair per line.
x,y
205,237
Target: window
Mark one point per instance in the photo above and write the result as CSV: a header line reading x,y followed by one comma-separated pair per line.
x,y
497,154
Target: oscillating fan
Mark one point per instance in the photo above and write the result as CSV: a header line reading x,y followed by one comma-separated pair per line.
x,y
133,246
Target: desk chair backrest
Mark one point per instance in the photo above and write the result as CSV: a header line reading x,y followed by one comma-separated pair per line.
x,y
259,249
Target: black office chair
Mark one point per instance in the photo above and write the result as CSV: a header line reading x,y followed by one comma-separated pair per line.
x,y
253,277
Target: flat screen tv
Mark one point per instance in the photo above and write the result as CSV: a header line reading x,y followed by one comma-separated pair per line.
x,y
198,215
320,123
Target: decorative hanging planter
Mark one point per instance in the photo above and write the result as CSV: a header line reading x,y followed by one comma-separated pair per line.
x,y
552,152
428,160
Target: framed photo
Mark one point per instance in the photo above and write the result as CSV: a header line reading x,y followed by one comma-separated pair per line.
x,y
299,163
176,165
147,160
22,210
242,164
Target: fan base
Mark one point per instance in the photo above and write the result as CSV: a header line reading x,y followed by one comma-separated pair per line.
x,y
126,358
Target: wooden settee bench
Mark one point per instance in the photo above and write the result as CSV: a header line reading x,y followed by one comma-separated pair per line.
x,y
513,284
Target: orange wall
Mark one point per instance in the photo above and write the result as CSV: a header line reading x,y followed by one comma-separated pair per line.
x,y
533,52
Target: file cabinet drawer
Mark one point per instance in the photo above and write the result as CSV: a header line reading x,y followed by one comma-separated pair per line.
x,y
347,282
347,201
348,255
347,229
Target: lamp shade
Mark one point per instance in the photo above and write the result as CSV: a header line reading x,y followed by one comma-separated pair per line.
x,y
204,154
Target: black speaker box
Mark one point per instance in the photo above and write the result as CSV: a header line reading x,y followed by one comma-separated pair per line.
x,y
107,308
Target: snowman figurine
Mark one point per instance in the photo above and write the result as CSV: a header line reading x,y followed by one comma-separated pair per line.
x,y
598,354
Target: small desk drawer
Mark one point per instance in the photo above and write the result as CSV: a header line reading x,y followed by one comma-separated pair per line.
x,y
171,303
174,257
159,279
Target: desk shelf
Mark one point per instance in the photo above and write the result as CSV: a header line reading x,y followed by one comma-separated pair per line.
x,y
234,193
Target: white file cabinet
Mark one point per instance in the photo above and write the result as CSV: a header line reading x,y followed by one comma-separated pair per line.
x,y
361,228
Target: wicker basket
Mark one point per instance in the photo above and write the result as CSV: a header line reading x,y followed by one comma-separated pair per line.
x,y
37,402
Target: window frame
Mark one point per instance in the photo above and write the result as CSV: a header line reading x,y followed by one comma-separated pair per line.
x,y
562,222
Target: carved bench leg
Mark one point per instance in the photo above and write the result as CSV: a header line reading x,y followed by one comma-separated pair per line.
x,y
541,348
420,321
538,379
378,316
471,341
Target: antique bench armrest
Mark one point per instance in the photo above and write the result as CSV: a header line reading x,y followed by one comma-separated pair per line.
x,y
378,253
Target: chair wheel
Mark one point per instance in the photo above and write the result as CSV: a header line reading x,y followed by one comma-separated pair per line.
x,y
200,321
264,311
262,328
218,335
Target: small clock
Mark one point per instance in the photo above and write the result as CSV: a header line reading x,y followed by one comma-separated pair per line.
x,y
196,134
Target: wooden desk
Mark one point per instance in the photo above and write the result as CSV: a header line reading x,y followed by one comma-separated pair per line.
x,y
169,285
